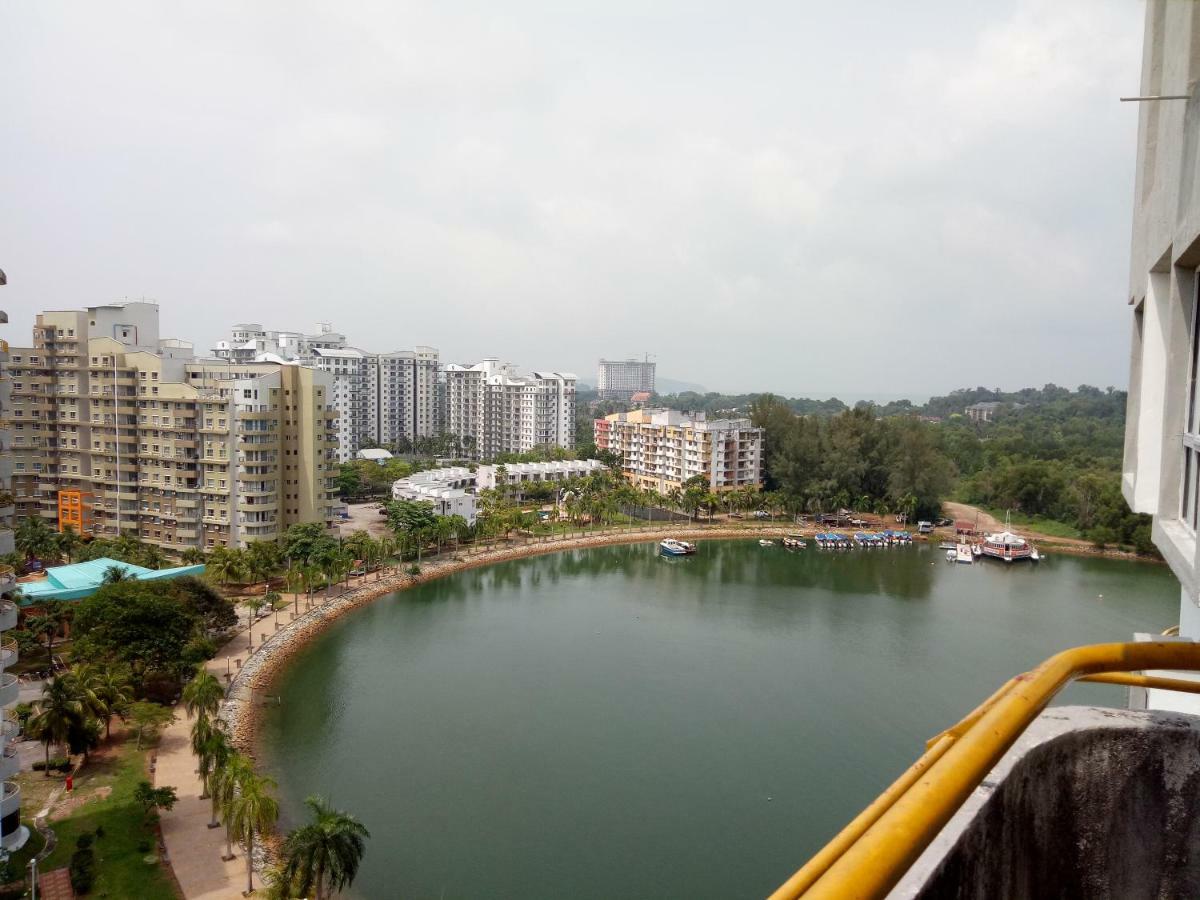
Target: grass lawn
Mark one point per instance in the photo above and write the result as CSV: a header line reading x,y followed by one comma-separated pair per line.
x,y
103,798
1039,524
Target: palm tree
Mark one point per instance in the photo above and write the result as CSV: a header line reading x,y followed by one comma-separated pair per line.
x,y
226,565
35,538
193,556
68,541
223,785
251,810
325,854
58,711
211,749
254,604
262,560
116,574
202,695
108,691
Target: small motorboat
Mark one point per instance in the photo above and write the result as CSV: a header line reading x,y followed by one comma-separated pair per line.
x,y
951,554
947,545
672,547
794,542
962,554
763,542
977,551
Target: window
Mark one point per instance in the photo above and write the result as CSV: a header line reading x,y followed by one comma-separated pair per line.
x,y
1190,505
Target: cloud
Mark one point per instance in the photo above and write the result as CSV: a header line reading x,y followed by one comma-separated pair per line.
x,y
798,197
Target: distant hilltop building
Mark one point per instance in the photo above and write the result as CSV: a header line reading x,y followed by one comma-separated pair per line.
x,y
620,379
662,448
493,409
986,410
379,397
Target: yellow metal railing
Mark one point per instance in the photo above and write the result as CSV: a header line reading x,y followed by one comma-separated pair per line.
x,y
871,854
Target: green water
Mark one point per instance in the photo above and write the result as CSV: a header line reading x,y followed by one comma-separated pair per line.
x,y
607,723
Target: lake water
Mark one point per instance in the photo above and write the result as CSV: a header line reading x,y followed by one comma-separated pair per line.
x,y
607,723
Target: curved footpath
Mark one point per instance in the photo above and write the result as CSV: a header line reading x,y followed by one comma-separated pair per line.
x,y
194,850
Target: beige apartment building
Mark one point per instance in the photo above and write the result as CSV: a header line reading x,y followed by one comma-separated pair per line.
x,y
116,430
660,449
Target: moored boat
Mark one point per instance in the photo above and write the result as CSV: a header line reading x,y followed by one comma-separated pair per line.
x,y
1007,546
962,554
795,542
672,547
763,542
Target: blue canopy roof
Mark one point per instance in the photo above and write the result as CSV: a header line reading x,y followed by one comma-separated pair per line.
x,y
79,580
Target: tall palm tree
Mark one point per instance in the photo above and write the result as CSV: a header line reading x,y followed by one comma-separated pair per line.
x,y
58,711
116,574
202,695
324,855
108,691
226,565
68,541
193,556
251,810
212,755
223,785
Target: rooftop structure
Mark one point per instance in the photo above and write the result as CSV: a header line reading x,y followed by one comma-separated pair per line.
x,y
488,477
375,455
660,449
445,489
82,579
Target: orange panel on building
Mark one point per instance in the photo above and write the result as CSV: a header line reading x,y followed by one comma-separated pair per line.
x,y
73,510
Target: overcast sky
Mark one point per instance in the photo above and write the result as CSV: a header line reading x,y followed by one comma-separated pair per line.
x,y
812,198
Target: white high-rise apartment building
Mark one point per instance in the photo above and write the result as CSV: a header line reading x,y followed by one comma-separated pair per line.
x,y
383,398
619,379
1162,430
492,409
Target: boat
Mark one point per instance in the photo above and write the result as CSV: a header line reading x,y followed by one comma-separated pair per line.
x,y
1007,546
763,542
952,554
962,554
795,542
977,551
672,547
947,545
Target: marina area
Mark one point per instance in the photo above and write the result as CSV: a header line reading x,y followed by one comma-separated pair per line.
x,y
549,716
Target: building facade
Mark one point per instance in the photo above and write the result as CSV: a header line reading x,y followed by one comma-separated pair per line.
x,y
446,490
493,410
517,474
660,449
13,834
118,431
620,379
1162,441
380,398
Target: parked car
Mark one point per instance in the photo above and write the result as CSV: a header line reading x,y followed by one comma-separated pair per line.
x,y
761,514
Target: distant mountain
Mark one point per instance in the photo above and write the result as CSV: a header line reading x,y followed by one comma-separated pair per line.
x,y
671,386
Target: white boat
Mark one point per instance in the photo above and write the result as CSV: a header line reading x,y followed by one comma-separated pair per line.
x,y
962,554
951,554
794,542
976,550
1007,546
672,547
763,542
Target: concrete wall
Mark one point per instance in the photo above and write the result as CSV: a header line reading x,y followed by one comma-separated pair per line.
x,y
1090,802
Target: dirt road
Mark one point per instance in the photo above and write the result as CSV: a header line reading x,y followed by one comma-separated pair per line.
x,y
989,523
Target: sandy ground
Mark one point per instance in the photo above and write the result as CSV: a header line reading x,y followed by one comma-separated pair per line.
x,y
365,517
988,522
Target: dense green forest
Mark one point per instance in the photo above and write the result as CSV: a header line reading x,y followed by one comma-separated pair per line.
x,y
1048,453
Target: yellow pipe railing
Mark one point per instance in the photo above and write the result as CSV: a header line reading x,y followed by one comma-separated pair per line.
x,y
870,855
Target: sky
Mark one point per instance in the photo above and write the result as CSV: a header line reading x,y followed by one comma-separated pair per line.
x,y
861,199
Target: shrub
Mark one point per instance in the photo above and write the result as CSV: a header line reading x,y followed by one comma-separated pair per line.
x,y
84,840
143,847
61,763
82,870
414,570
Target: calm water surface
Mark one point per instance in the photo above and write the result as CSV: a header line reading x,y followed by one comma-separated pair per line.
x,y
606,723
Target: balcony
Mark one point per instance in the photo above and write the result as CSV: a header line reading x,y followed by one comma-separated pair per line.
x,y
10,689
10,762
8,653
11,801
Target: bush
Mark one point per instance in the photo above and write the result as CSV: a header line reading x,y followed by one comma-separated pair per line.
x,y
82,870
199,650
414,570
61,763
143,847
84,840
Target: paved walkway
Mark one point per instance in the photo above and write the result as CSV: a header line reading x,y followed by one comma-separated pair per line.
x,y
194,849
55,885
